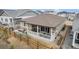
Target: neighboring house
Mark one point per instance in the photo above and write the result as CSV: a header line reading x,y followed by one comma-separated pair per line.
x,y
43,26
11,17
45,11
68,15
7,20
7,17
63,14
22,14
0,24
71,16
25,13
49,12
39,11
1,12
75,29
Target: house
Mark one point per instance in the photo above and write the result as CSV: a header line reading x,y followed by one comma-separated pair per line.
x,y
25,13
1,12
38,11
0,24
49,12
75,29
68,15
46,11
11,17
7,17
71,16
22,14
63,14
43,26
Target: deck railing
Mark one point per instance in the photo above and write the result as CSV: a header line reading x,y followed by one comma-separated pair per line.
x,y
45,36
40,34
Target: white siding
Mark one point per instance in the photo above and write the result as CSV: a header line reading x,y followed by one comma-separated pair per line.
x,y
8,20
74,35
58,29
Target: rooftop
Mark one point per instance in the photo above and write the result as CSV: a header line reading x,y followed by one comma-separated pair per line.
x,y
18,12
48,20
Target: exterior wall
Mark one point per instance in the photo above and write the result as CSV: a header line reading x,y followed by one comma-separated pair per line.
x,y
73,41
71,17
34,34
4,14
21,23
29,27
56,31
53,33
8,20
63,15
38,37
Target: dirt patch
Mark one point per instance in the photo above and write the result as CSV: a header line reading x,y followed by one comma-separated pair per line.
x,y
17,44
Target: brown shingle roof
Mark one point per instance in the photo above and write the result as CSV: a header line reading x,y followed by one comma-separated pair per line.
x,y
48,20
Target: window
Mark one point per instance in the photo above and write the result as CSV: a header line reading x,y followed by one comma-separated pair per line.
x,y
34,28
63,28
10,19
24,24
78,36
44,29
1,19
44,32
6,20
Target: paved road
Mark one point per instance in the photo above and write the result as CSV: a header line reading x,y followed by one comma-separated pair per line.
x,y
68,41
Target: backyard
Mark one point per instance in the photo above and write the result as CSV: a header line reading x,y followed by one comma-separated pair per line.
x,y
11,42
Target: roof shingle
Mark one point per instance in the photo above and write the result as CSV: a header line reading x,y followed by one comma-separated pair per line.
x,y
49,20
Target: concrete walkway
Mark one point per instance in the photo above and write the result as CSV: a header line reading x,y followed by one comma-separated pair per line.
x,y
68,41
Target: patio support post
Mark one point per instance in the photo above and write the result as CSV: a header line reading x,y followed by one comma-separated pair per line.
x,y
27,27
51,32
37,30
74,38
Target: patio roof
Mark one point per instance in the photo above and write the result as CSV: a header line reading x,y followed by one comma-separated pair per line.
x,y
48,20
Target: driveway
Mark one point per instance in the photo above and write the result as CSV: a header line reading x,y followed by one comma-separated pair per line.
x,y
68,41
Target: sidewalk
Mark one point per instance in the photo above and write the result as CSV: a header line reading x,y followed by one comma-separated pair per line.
x,y
68,41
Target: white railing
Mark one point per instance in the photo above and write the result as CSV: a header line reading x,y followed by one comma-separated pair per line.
x,y
31,32
40,34
45,36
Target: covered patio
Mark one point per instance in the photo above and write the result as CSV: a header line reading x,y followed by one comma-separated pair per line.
x,y
42,31
44,26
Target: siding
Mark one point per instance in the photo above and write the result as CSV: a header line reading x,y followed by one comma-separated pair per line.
x,y
8,22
